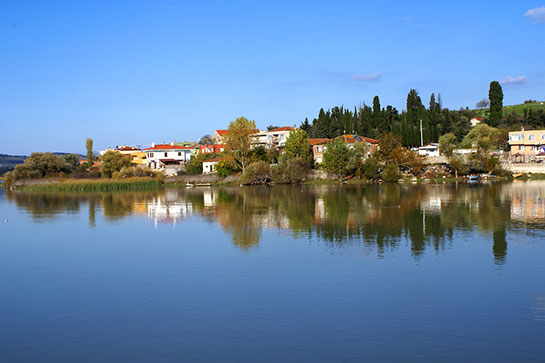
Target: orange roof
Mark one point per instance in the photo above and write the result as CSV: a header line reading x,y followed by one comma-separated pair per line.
x,y
351,139
285,128
479,118
313,142
168,147
127,148
223,132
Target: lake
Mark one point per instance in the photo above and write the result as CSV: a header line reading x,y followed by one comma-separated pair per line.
x,y
397,272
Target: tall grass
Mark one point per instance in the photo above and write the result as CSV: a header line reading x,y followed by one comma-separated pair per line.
x,y
101,185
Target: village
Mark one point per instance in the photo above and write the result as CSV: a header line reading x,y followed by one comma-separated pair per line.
x,y
525,154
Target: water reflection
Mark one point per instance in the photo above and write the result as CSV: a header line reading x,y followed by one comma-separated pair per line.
x,y
378,216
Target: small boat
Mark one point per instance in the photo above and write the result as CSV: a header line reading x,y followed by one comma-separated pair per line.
x,y
515,176
474,177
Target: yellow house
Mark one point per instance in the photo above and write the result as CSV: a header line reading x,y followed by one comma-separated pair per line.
x,y
139,158
531,142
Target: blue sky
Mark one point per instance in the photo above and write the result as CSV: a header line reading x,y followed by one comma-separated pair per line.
x,y
136,72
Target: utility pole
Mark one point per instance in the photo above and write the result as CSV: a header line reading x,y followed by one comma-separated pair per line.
x,y
421,134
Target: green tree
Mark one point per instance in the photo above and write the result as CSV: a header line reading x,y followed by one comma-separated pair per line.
x,y
356,158
89,147
495,95
297,146
72,160
447,144
484,139
335,157
238,141
113,161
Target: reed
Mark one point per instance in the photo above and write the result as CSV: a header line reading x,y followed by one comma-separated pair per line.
x,y
101,185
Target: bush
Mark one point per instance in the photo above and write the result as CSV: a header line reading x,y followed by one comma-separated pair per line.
x,y
194,165
390,173
112,162
224,168
336,157
258,172
289,171
135,171
371,168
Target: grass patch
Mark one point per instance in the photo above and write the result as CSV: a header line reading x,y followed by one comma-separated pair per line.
x,y
519,109
101,185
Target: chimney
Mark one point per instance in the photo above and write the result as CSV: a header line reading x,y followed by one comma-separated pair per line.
x,y
152,144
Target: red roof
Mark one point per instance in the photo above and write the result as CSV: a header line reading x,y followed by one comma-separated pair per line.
x,y
285,128
128,148
350,139
313,142
222,132
168,147
479,118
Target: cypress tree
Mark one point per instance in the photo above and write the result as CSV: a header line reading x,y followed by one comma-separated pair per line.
x,y
495,95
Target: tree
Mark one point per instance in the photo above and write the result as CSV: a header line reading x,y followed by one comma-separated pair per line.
x,y
447,144
495,95
89,146
272,127
238,141
206,140
297,146
113,161
356,158
482,103
485,140
387,144
336,157
72,160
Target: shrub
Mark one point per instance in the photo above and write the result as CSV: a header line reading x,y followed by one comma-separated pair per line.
x,y
113,161
390,173
256,173
371,168
224,168
290,170
134,171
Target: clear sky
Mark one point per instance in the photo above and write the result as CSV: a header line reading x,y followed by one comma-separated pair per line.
x,y
136,72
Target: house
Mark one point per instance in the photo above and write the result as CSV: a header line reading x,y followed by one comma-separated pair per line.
x,y
209,166
218,135
139,158
123,149
275,138
476,120
320,145
211,149
429,150
529,143
168,157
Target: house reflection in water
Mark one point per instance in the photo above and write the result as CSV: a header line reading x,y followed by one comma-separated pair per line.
x,y
168,208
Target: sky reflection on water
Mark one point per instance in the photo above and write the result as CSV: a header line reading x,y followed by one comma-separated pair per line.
x,y
296,273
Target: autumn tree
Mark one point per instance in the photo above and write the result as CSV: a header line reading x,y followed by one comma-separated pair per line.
x,y
113,161
238,141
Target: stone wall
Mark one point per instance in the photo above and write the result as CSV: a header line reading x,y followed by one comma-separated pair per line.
x,y
524,168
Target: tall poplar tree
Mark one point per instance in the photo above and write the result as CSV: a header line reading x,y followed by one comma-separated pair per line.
x,y
89,146
495,95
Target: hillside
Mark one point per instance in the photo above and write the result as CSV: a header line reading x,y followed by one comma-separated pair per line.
x,y
8,162
517,108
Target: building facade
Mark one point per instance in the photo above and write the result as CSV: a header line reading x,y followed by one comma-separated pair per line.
x,y
167,157
530,142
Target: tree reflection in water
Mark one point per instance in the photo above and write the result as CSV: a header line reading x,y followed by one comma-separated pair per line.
x,y
378,216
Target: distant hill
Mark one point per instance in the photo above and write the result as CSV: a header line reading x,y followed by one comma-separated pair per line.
x,y
8,162
517,108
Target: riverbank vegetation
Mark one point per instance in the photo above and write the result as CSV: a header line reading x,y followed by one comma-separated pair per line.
x,y
99,185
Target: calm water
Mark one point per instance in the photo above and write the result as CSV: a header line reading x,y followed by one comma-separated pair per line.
x,y
325,273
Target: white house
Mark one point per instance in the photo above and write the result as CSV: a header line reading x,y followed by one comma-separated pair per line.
x,y
209,166
167,157
475,121
429,150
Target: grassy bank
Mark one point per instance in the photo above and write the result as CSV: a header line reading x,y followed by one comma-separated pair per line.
x,y
100,185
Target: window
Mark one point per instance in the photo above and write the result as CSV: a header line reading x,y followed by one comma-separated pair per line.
x,y
179,154
150,155
516,137
531,137
542,136
521,147
166,154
